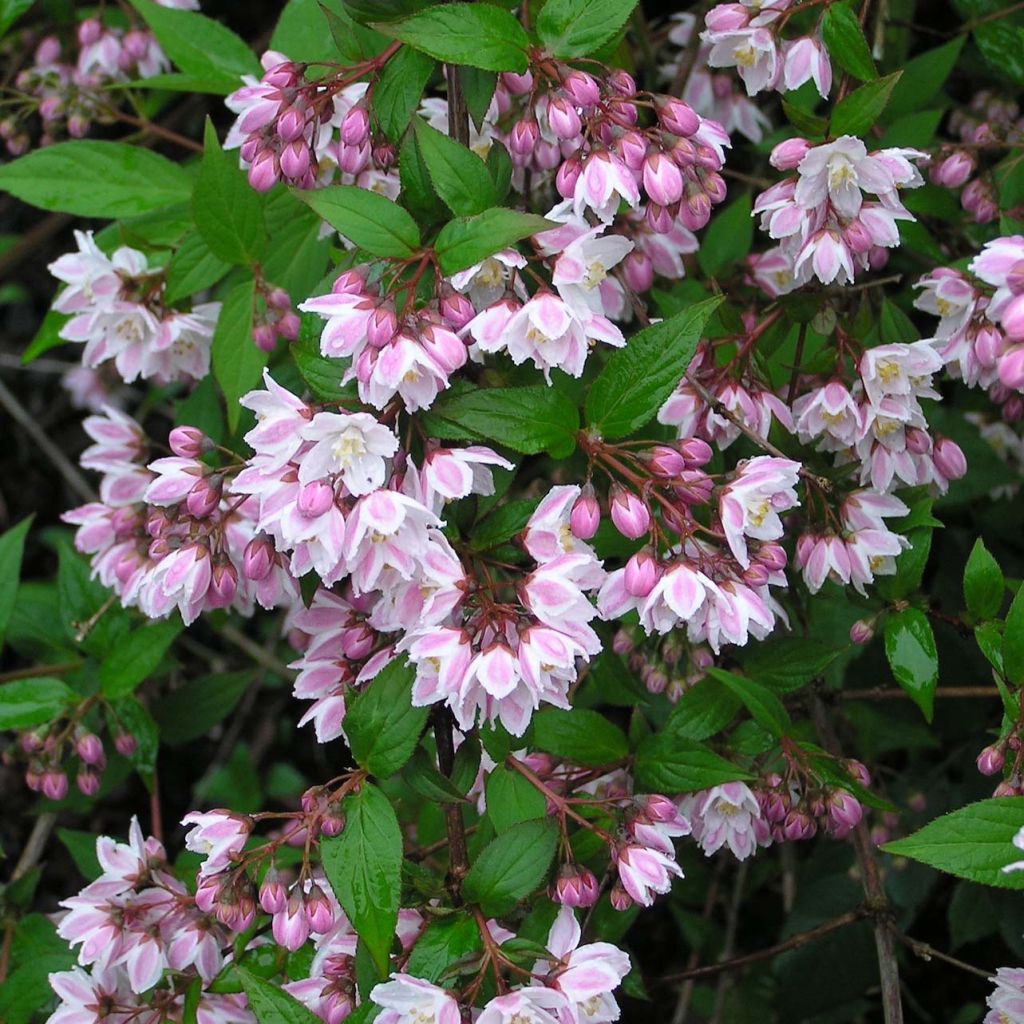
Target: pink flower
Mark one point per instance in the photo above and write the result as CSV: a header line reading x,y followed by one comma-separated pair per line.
x,y
645,872
533,1005
752,51
219,835
603,183
805,60
1006,1003
408,1000
750,505
726,815
352,445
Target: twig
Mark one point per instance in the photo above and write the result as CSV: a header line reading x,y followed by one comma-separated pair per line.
x,y
688,58
793,942
248,646
729,946
63,464
926,952
686,992
722,410
876,903
34,845
458,854
880,693
38,670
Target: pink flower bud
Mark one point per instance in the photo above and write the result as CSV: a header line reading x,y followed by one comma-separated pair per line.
x,y
858,771
89,748
87,781
664,461
786,156
273,893
659,218
693,487
630,515
861,632
727,17
291,125
315,499
798,825
567,176
355,128
318,910
48,51
581,89
638,271
354,159
918,440
290,926
332,825
523,137
54,785
576,887
663,180
620,899
189,442
258,559
632,147
844,812
517,85
289,326
954,170
89,32
264,171
756,575
204,496
641,573
949,458
357,642
563,119
296,159
991,760
78,127
457,310
694,211
678,117
125,744
988,344
223,585
448,350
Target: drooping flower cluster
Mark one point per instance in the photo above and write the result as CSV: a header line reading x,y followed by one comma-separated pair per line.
x,y
825,227
748,36
117,311
165,535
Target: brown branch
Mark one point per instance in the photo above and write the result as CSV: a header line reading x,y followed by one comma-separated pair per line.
x,y
894,693
793,942
876,902
38,670
926,952
458,854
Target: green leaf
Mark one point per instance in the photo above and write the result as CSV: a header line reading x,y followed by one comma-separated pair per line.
x,y
975,842
923,77
805,122
669,764
399,88
861,110
28,702
529,420
381,724
227,210
12,547
512,866
82,847
237,362
11,11
1013,640
95,179
364,867
503,524
702,711
366,219
418,194
270,1004
200,46
577,28
638,379
983,583
765,708
469,240
728,237
458,175
579,735
441,944
298,259
1002,45
478,87
313,32
130,715
846,43
47,337
910,565
422,776
512,799
910,648
478,34
788,663
194,709
193,268
136,657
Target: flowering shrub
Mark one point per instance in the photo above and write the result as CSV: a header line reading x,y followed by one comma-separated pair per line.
x,y
618,462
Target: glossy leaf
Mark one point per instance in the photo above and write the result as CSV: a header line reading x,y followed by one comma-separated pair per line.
x,y
576,28
910,648
237,362
512,866
366,219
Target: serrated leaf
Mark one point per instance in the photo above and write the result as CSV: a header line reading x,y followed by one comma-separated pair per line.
x,y
270,1004
984,585
368,220
227,210
639,378
923,76
577,28
975,842
194,709
1013,640
765,708
381,724
12,547
670,764
193,268
910,649
458,175
95,179
728,237
579,735
469,240
846,44
237,362
862,109
136,657
441,944
512,866
479,34
28,702
398,91
702,711
512,799
364,867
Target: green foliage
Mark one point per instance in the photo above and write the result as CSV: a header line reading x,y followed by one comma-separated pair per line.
x,y
28,702
237,362
984,585
458,175
910,649
861,110
399,90
846,43
577,28
12,546
579,735
512,866
368,220
468,240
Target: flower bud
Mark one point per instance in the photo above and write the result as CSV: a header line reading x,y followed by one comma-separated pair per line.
x,y
54,784
264,171
581,89
949,458
517,85
861,632
189,442
87,780
630,515
678,117
562,117
315,498
641,574
89,748
664,461
258,559
638,271
786,156
125,744
620,899
585,515
291,125
318,910
576,887
991,760
567,176
290,926
204,497
355,128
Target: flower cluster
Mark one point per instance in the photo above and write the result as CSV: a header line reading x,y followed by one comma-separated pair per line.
x,y
825,227
748,36
117,311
